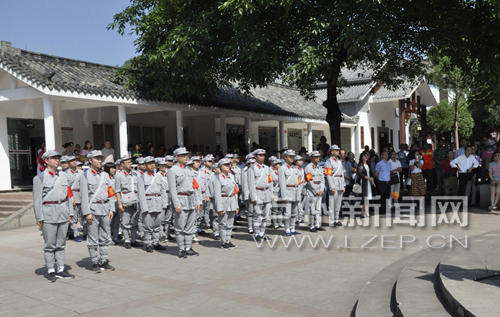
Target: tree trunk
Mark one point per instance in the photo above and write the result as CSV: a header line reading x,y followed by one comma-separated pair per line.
x,y
457,141
334,115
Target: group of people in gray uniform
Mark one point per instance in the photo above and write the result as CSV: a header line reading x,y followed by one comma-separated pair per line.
x,y
191,193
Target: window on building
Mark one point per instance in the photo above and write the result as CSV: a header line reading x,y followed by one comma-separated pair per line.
x,y
102,133
345,138
144,135
362,137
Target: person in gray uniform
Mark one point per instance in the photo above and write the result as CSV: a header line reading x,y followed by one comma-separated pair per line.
x,y
53,206
315,187
289,191
226,202
140,169
151,191
260,187
169,211
298,163
249,208
127,202
334,172
162,169
182,186
194,164
110,168
98,209
276,206
74,179
214,218
204,179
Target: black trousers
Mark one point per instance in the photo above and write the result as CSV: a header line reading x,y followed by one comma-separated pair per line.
x,y
463,179
384,190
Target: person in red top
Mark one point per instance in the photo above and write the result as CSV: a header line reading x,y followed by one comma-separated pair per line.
x,y
449,175
427,168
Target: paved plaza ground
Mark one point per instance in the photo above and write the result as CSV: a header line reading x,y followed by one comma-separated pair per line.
x,y
245,281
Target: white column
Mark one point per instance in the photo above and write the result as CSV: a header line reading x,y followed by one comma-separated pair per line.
x,y
309,138
283,139
179,120
223,134
123,132
5,183
48,122
248,142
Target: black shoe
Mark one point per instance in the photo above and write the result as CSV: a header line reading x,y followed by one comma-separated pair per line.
x,y
65,275
203,233
127,245
149,249
159,247
337,224
313,229
96,268
106,266
216,237
136,244
231,245
170,238
182,254
191,252
320,229
52,277
224,246
258,238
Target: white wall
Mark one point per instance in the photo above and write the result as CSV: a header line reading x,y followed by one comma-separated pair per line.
x,y
5,183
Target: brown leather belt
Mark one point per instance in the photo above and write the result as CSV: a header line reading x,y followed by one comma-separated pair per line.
x,y
153,195
317,182
339,175
291,186
135,192
260,188
55,202
101,201
184,194
75,190
224,195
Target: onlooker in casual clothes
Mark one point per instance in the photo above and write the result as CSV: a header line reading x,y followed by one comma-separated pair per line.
x,y
87,148
347,173
108,152
494,170
461,150
396,171
68,149
427,168
323,146
465,164
136,153
383,174
440,154
403,159
450,183
365,179
417,179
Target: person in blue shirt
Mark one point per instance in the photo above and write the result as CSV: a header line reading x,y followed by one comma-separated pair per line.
x,y
383,174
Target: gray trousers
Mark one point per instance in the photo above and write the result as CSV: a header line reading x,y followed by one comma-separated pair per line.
x,y
277,215
152,227
250,213
203,217
226,222
314,208
291,212
334,204
54,235
185,228
98,239
166,221
115,224
214,222
73,225
261,212
129,220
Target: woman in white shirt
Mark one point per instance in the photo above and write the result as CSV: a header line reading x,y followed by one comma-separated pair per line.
x,y
417,180
364,178
396,169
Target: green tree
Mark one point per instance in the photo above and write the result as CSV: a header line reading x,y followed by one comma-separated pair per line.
x,y
441,119
190,48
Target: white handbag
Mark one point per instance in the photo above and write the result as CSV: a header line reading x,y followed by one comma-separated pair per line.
x,y
356,188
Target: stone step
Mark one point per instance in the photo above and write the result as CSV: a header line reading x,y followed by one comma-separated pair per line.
x,y
416,294
16,196
462,273
14,202
9,207
5,214
377,297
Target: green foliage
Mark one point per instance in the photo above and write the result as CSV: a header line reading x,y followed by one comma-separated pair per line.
x,y
442,117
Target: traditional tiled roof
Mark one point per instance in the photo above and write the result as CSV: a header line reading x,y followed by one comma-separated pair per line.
x,y
69,75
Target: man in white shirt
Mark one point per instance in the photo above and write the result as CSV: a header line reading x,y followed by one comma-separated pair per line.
x,y
465,164
108,152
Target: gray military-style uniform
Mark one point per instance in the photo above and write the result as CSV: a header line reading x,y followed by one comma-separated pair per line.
x,y
226,201
74,181
260,187
214,217
246,197
96,188
126,185
151,191
53,208
289,194
276,205
167,214
334,173
182,194
204,176
314,183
